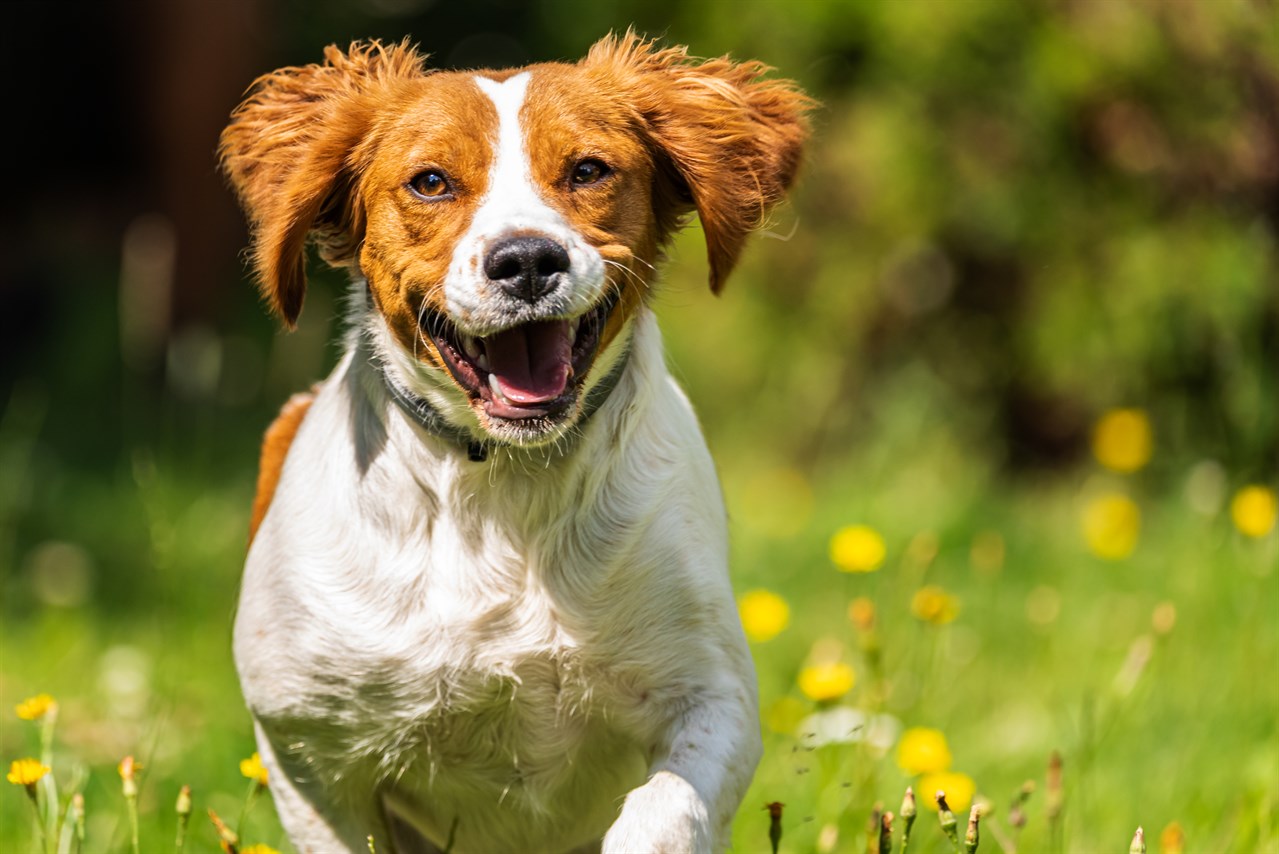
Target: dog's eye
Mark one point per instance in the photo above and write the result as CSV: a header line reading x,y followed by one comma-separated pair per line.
x,y
589,171
429,185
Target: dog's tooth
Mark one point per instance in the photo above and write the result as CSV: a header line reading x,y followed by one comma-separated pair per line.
x,y
497,389
472,346
482,361
572,329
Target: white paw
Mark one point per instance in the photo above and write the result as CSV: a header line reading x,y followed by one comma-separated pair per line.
x,y
664,816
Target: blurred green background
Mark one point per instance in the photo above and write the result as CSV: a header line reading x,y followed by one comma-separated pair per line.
x,y
1015,218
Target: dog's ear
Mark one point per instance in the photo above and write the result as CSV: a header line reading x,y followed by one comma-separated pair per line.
x,y
293,153
727,140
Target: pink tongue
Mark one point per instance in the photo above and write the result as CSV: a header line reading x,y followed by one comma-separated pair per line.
x,y
531,362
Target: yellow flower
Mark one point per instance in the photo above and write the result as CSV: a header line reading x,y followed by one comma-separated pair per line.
x,y
258,848
959,789
254,769
826,681
1172,840
34,708
764,614
1121,441
923,751
128,767
1111,526
857,548
1254,509
26,772
934,605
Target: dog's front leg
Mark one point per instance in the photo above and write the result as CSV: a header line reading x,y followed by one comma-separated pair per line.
x,y
697,778
314,826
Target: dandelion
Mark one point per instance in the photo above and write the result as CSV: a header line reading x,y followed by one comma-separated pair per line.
x,y
764,614
1172,840
1111,525
1122,440
934,605
35,708
128,768
923,751
947,818
826,681
886,833
227,838
1254,510
973,837
257,773
873,826
774,823
254,769
959,788
183,809
27,772
908,813
43,708
857,548
259,848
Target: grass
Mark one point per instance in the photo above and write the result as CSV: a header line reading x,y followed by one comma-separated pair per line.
x,y
1151,674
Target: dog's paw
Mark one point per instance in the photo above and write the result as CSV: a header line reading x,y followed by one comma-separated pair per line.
x,y
664,816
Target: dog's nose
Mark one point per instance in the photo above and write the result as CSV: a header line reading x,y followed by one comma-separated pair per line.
x,y
526,267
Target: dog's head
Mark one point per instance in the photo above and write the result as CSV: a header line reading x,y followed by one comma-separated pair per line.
x,y
507,222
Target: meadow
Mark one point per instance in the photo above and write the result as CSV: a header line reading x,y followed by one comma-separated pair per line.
x,y
1118,615
994,402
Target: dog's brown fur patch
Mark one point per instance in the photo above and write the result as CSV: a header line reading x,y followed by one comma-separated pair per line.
x,y
275,447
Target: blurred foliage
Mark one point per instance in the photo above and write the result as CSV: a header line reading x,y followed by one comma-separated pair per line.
x,y
1014,218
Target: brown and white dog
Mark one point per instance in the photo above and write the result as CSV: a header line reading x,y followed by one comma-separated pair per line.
x,y
486,605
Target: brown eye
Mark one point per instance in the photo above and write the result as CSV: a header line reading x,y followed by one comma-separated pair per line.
x,y
589,171
429,185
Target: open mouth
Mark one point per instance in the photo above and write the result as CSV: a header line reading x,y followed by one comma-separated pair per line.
x,y
532,370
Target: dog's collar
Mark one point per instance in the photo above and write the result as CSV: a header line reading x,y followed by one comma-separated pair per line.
x,y
420,410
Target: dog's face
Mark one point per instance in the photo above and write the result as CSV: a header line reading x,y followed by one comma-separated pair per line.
x,y
508,223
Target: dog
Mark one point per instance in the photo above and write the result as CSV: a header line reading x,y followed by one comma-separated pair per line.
x,y
486,603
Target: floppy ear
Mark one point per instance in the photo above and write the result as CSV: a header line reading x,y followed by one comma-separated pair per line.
x,y
293,155
728,141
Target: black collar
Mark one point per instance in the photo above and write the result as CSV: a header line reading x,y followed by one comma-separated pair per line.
x,y
429,419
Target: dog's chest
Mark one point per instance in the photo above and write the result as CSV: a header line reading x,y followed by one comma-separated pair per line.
x,y
448,664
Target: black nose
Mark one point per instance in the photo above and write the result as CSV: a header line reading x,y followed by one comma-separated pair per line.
x,y
526,267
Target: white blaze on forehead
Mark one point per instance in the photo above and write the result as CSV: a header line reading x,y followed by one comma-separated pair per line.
x,y
510,187
512,200
512,205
